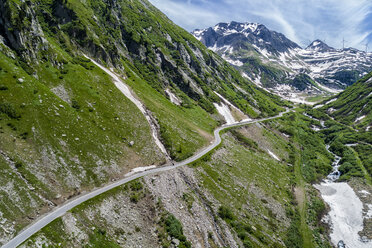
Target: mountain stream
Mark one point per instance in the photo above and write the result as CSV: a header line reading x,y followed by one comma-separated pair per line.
x,y
346,210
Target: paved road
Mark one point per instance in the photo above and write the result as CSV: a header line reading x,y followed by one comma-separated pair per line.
x,y
61,210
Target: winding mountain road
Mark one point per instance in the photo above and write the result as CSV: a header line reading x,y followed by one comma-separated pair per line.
x,y
61,210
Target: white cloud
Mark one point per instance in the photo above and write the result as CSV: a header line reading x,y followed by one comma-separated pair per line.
x,y
276,16
300,20
186,14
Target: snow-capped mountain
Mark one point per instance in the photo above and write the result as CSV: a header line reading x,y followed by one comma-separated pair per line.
x,y
336,68
320,46
234,34
274,62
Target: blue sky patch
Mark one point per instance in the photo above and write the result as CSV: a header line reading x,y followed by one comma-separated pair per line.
x,y
300,20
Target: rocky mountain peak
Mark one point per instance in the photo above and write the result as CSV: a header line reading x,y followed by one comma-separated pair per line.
x,y
236,27
319,46
270,59
236,34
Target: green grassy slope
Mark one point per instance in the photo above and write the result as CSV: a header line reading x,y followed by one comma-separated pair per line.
x,y
59,148
348,119
240,185
136,38
354,103
353,109
65,127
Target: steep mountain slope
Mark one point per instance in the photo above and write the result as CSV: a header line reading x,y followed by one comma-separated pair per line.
x,y
350,128
345,122
234,34
83,85
348,119
353,106
335,68
320,46
271,60
65,127
248,46
240,195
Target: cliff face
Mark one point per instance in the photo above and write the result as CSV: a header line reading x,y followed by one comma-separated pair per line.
x,y
164,54
21,30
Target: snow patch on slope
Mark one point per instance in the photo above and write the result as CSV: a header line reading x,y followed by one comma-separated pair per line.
x,y
360,118
273,155
364,192
172,97
229,103
346,214
224,110
233,62
320,62
332,100
329,89
286,92
369,212
126,91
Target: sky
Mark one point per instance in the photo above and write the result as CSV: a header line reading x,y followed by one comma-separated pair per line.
x,y
302,21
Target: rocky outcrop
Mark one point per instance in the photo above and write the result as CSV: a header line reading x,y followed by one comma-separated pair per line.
x,y
21,29
200,224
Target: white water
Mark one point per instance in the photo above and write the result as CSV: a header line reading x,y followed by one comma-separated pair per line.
x,y
335,174
126,91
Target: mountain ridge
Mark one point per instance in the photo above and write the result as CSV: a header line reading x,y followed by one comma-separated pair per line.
x,y
274,62
319,45
254,33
